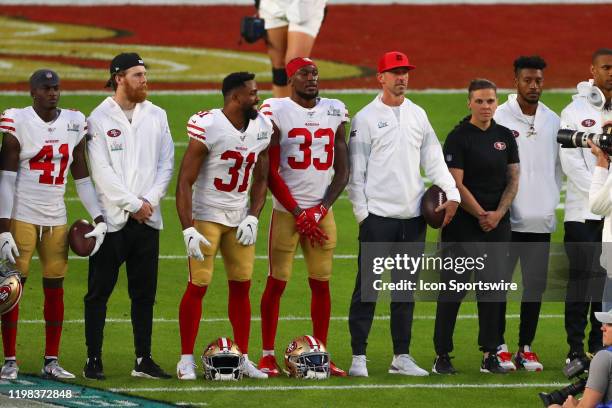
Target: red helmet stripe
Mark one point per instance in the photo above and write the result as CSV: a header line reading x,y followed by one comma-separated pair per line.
x,y
314,344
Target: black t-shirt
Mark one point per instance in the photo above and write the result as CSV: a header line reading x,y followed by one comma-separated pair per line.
x,y
484,156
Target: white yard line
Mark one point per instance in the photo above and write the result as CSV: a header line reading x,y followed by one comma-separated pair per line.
x,y
335,387
286,318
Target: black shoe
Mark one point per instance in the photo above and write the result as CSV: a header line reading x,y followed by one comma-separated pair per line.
x,y
491,365
443,365
573,355
148,369
93,369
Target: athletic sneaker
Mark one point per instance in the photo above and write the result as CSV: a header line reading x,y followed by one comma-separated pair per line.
x,y
249,370
359,367
185,370
54,370
336,371
490,364
93,369
528,360
267,364
505,358
442,365
148,369
404,364
9,370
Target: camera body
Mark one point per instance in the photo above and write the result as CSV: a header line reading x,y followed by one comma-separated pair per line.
x,y
569,138
577,368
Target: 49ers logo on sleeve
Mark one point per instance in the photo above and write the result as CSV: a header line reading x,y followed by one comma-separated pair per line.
x,y
113,133
499,145
588,122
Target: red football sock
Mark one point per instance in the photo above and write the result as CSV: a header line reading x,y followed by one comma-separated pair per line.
x,y
239,311
9,331
54,318
270,305
320,308
190,312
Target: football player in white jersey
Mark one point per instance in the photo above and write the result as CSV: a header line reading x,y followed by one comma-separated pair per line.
x,y
227,148
40,143
308,171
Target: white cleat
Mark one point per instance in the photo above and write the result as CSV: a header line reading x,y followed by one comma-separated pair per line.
x,y
185,370
505,358
359,367
249,369
9,370
404,364
54,370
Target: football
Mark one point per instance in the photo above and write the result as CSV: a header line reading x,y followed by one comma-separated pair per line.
x,y
433,197
78,243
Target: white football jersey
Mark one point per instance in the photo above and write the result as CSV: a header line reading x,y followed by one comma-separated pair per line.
x,y
306,145
44,161
225,175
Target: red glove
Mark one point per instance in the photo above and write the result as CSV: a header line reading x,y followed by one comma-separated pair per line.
x,y
317,236
304,223
317,213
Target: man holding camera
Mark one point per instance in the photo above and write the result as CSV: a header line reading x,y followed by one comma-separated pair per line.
x,y
587,113
598,391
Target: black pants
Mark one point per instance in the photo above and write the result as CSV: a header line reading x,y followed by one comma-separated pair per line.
x,y
381,229
465,228
138,246
586,281
534,269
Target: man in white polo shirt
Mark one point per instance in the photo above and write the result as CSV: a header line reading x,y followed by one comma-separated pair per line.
x,y
391,140
532,214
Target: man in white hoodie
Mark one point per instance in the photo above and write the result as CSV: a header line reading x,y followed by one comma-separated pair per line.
x,y
532,214
587,112
131,155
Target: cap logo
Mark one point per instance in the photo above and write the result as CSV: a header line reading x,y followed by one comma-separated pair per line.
x,y
49,75
398,57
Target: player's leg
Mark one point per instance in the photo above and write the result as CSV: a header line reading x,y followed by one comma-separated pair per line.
x,y
319,263
190,309
141,265
53,251
102,277
282,242
305,18
277,48
535,249
274,14
25,237
238,260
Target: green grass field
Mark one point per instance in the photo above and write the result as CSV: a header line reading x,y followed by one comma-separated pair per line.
x,y
468,388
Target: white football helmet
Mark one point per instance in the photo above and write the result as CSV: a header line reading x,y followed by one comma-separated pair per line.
x,y
306,357
222,360
10,286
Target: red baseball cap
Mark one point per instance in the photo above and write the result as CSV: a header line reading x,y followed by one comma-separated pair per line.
x,y
295,64
393,59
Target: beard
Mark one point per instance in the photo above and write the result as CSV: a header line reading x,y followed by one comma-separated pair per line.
x,y
251,114
308,96
136,94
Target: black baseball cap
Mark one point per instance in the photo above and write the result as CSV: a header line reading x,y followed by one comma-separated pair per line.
x,y
44,77
123,61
